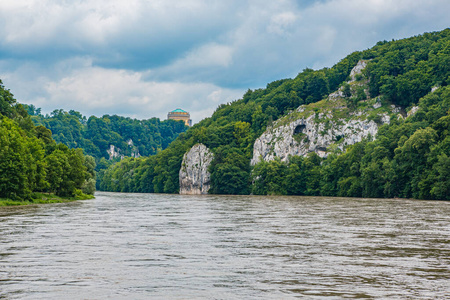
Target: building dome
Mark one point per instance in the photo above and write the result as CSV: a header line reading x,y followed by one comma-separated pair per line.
x,y
179,114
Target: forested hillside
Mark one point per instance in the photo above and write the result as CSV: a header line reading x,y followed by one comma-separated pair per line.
x,y
31,161
110,138
130,137
408,158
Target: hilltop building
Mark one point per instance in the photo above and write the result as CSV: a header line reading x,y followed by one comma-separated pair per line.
x,y
179,114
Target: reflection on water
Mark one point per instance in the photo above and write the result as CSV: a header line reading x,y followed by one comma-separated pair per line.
x,y
141,246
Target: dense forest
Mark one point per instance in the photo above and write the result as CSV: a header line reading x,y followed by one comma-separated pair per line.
x,y
131,137
410,157
32,162
96,136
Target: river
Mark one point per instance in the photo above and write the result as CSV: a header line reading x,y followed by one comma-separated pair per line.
x,y
151,246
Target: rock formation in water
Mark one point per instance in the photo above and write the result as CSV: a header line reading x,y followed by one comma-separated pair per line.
x,y
194,176
343,119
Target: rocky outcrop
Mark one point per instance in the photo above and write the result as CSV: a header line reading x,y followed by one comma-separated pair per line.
x,y
194,176
315,127
133,148
311,135
412,111
357,70
114,152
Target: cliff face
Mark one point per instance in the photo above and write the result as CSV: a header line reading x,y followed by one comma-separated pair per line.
x,y
344,118
310,135
194,176
114,151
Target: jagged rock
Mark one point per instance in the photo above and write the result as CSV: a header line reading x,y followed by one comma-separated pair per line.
x,y
339,93
357,70
308,129
114,152
194,176
412,111
134,149
361,65
395,109
385,119
306,135
377,104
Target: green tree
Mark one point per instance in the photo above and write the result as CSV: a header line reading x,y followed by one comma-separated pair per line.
x,y
21,166
441,178
66,171
230,172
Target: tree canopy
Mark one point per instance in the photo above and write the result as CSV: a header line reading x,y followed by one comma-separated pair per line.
x,y
31,161
408,158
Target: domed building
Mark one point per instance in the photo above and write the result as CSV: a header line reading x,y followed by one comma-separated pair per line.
x,y
179,114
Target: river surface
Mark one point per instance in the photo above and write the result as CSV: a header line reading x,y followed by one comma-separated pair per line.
x,y
149,246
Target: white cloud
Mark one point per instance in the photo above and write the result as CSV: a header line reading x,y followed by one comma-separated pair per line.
x,y
282,23
209,55
145,57
101,91
96,25
43,21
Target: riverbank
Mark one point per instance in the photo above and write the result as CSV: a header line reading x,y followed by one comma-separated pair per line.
x,y
44,198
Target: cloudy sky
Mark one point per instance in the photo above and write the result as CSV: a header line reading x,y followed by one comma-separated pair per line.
x,y
143,58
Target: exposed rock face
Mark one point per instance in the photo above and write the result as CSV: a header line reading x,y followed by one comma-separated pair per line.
x,y
307,135
134,149
114,152
194,175
357,70
313,128
361,65
413,111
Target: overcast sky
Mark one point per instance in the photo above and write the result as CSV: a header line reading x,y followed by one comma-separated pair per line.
x,y
144,58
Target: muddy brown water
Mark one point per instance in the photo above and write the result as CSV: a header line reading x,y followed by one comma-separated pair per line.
x,y
150,246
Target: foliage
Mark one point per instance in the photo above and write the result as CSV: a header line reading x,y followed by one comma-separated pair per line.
x,y
95,135
408,158
21,165
130,137
230,172
45,198
31,161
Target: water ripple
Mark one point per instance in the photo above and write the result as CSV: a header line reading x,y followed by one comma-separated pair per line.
x,y
141,246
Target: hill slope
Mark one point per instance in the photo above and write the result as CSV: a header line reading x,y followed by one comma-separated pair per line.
x,y
398,73
109,136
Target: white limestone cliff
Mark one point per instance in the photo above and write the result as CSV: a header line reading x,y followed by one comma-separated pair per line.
x,y
315,127
194,176
115,152
303,136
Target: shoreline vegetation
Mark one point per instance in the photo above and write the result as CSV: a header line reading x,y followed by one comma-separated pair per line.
x,y
33,163
401,88
45,198
400,96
